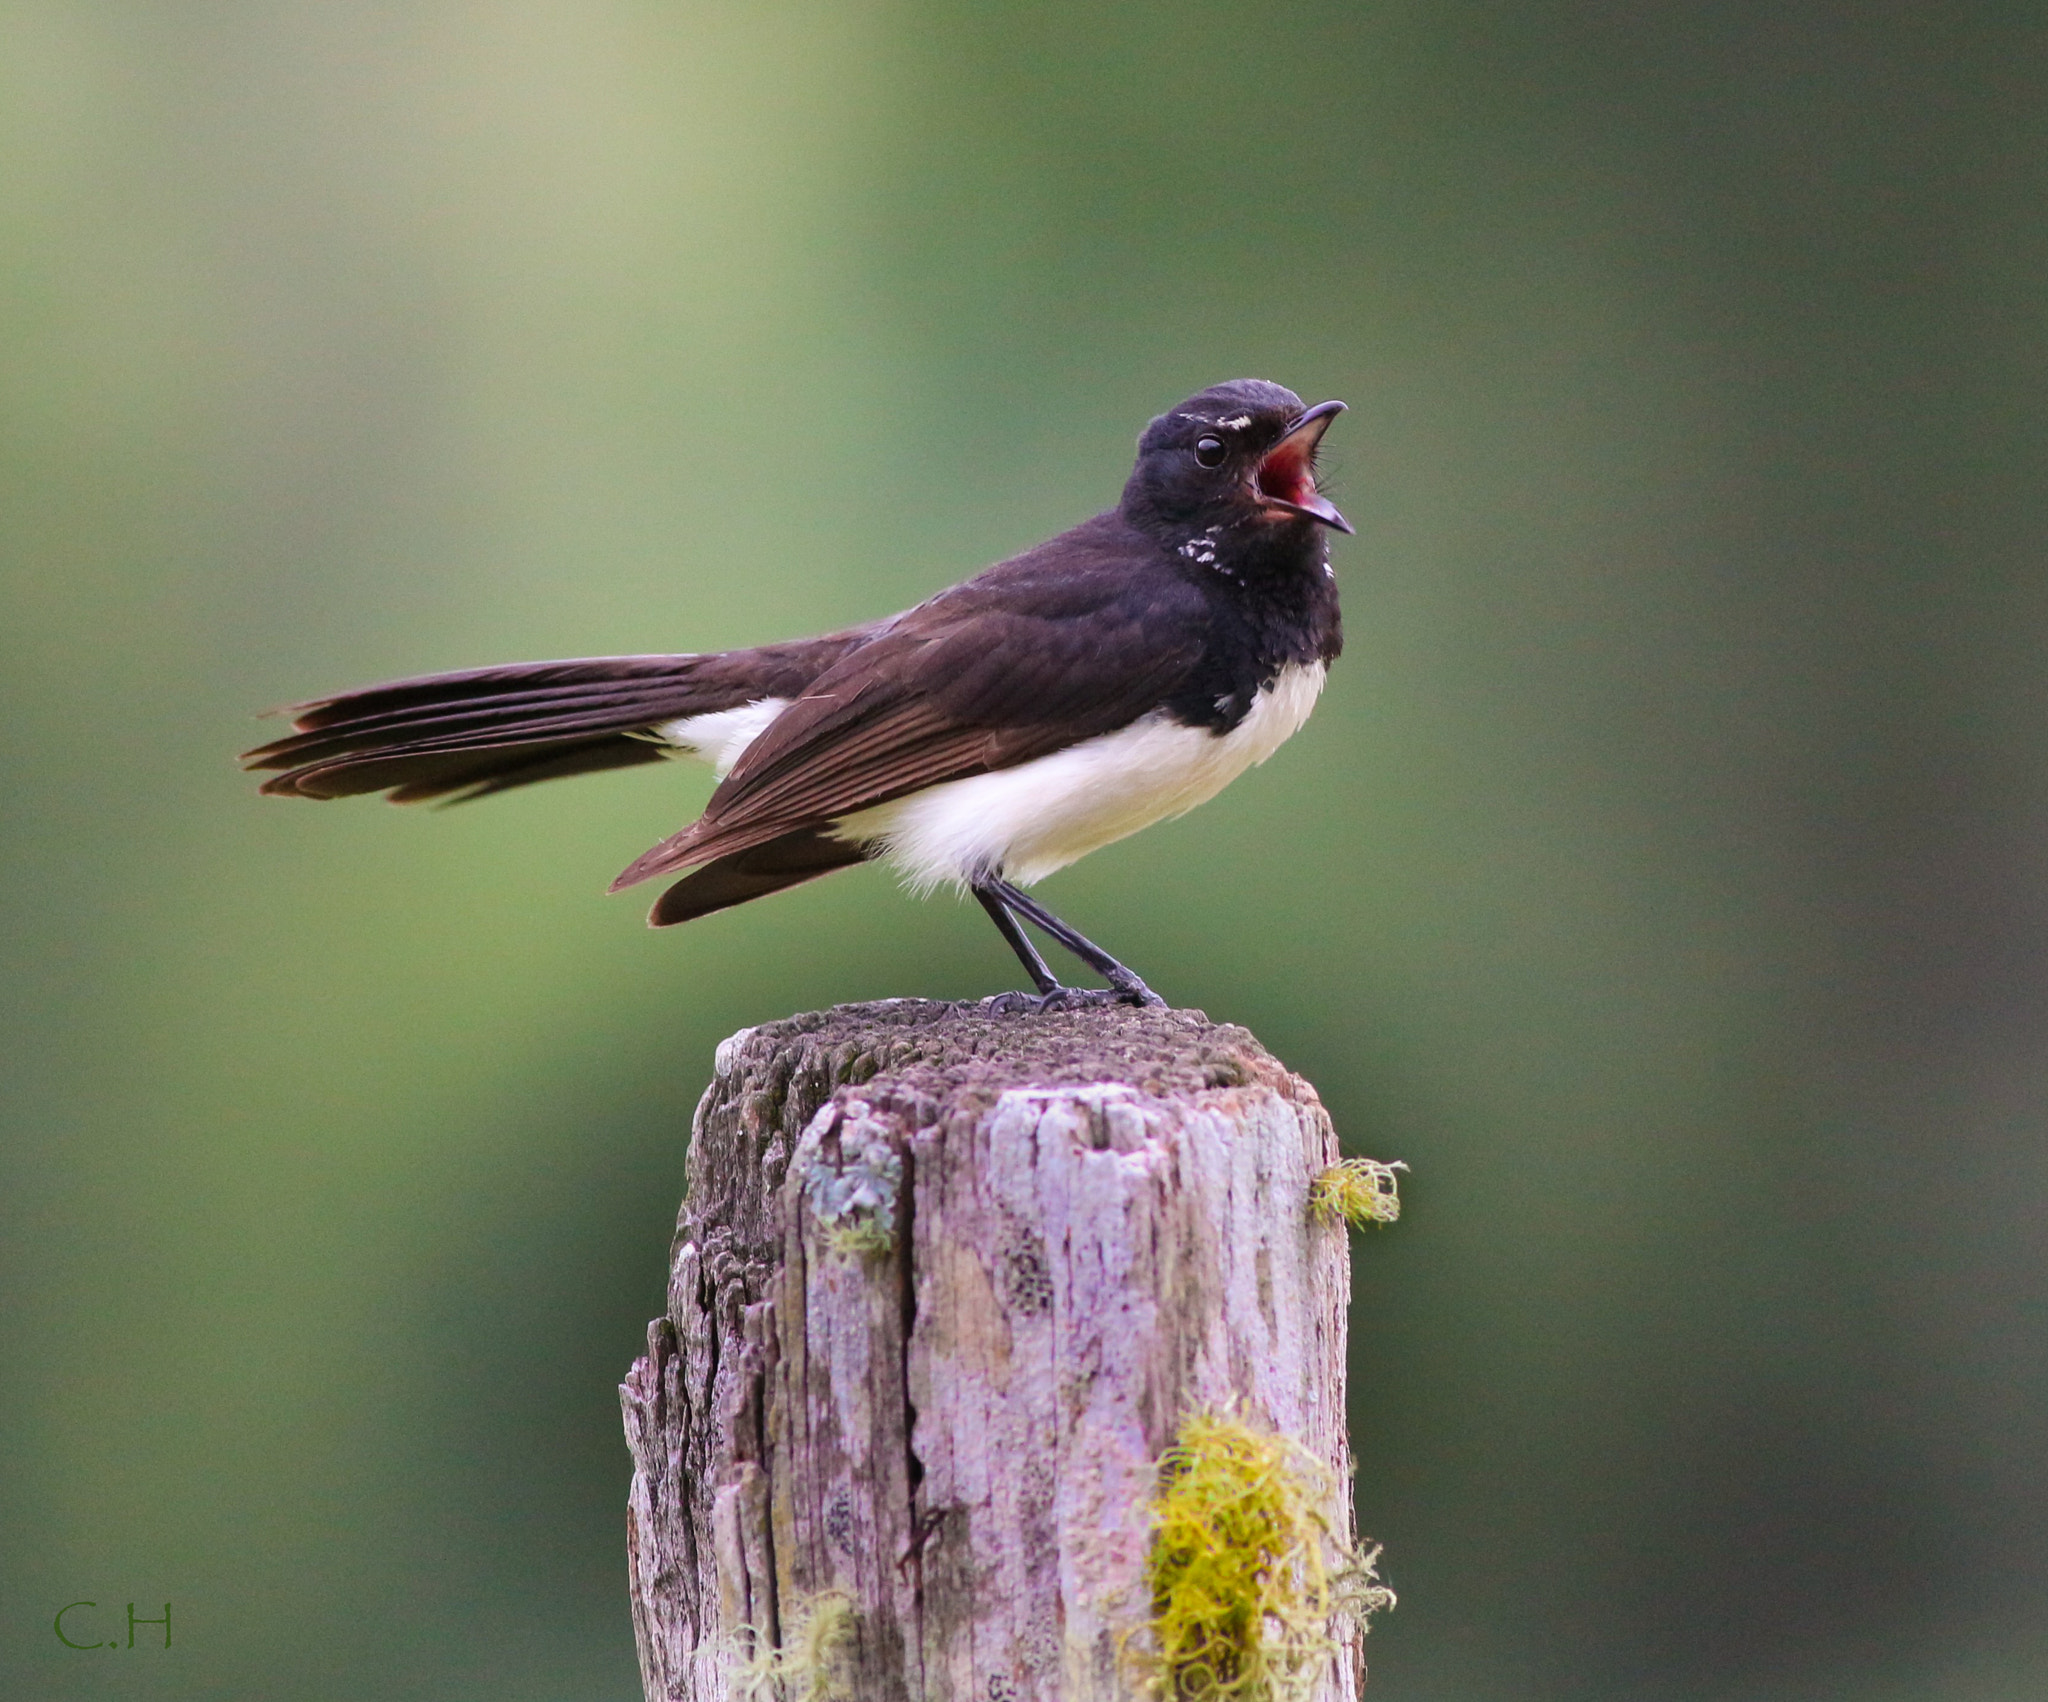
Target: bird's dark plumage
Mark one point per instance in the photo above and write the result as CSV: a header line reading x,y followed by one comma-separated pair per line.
x,y
484,730
1119,672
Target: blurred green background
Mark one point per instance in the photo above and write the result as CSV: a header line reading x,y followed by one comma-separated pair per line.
x,y
1662,876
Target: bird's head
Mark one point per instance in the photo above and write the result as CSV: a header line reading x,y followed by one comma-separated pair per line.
x,y
1234,467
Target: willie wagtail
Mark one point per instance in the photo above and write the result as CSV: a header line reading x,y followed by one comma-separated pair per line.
x,y
1118,674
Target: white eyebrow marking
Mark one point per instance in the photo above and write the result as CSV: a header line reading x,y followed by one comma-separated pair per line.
x,y
1238,423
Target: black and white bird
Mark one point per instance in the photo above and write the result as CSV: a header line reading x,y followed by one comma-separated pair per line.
x,y
1114,676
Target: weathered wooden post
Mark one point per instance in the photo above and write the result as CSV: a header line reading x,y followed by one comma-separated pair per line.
x,y
946,1289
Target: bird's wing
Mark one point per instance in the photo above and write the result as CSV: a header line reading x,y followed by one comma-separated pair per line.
x,y
992,674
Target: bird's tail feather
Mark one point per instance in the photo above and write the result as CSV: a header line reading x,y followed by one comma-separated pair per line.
x,y
465,735
750,874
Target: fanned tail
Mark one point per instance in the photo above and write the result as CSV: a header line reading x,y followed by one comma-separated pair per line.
x,y
466,735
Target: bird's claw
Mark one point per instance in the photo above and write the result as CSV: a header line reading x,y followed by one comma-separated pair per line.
x,y
1010,1004
1137,993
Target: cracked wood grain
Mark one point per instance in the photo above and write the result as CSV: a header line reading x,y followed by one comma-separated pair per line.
x,y
943,1286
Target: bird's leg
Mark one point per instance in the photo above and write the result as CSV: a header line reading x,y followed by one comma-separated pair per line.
x,y
1027,954
1126,982
997,898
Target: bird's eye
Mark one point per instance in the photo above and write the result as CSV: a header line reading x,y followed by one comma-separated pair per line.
x,y
1210,451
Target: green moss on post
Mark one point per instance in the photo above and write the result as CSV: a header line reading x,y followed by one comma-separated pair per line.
x,y
1361,1191
1247,1571
810,1663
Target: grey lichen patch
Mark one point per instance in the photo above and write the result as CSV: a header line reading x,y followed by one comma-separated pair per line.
x,y
852,1176
813,1663
1027,1282
1253,1585
1360,1191
839,1520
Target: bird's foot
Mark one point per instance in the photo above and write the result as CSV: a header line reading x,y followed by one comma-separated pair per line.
x,y
1069,999
1132,991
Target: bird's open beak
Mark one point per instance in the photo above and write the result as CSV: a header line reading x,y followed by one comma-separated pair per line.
x,y
1286,474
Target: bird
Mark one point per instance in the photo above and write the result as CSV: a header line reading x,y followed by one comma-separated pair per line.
x,y
1114,676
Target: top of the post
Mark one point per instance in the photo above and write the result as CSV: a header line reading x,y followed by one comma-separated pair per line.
x,y
947,1048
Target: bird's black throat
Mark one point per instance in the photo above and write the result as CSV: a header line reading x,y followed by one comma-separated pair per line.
x,y
1272,603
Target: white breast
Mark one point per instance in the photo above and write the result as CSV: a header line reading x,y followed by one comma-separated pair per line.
x,y
1027,821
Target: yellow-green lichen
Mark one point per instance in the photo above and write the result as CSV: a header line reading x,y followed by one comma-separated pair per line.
x,y
1251,1584
811,1663
861,1236
1358,1190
